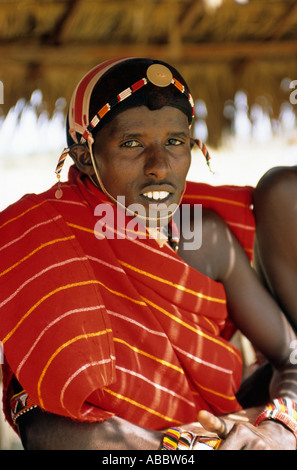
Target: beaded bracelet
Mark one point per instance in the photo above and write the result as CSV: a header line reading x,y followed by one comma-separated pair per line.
x,y
179,439
283,410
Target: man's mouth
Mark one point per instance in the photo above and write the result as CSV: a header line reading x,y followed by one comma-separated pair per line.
x,y
156,195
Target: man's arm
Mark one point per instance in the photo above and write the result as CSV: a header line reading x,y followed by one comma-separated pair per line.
x,y
261,320
45,431
276,241
256,314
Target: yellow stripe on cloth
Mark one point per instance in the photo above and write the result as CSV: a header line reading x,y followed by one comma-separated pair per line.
x,y
214,198
85,229
45,297
68,286
43,245
140,405
60,348
144,353
195,330
222,395
22,214
172,284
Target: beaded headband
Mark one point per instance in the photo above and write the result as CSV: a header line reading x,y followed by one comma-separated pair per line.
x,y
157,74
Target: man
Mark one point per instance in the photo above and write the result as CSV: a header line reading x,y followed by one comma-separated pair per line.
x,y
115,335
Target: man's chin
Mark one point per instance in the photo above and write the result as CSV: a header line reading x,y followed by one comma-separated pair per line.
x,y
159,215
153,214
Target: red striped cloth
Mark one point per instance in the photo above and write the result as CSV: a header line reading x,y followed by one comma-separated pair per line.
x,y
93,327
232,203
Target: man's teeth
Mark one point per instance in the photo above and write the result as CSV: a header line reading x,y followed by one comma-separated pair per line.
x,y
156,195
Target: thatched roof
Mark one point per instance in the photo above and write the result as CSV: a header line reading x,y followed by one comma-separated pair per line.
x,y
50,44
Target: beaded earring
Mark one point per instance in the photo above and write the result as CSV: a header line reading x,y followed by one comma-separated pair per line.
x,y
205,152
60,164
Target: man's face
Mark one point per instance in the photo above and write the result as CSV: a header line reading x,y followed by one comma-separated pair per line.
x,y
145,155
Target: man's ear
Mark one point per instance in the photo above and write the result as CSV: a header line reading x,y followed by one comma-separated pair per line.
x,y
82,158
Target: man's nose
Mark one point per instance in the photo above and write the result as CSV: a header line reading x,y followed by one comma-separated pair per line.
x,y
157,163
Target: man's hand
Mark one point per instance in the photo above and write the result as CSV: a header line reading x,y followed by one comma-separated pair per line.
x,y
270,435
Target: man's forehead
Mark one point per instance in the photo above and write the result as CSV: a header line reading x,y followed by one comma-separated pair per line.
x,y
138,119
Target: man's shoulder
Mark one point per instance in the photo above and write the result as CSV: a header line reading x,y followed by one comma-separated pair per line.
x,y
209,217
17,208
28,210
42,200
226,191
214,228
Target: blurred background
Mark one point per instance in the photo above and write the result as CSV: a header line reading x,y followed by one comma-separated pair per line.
x,y
239,58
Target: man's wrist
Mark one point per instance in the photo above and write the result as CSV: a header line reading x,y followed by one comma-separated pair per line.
x,y
279,429
281,411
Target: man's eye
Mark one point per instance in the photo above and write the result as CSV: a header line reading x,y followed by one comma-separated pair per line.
x,y
174,142
130,143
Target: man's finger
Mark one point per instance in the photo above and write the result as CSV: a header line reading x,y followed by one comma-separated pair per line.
x,y
215,424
